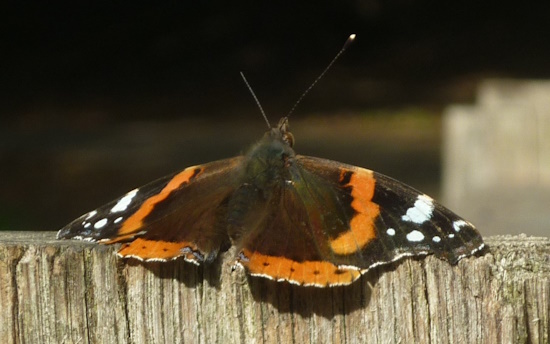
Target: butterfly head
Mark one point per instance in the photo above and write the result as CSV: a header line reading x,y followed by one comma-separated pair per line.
x,y
282,132
272,155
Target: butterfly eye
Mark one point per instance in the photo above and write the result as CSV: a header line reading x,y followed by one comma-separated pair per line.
x,y
289,139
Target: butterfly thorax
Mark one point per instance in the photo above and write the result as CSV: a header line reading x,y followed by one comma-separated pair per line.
x,y
267,162
265,172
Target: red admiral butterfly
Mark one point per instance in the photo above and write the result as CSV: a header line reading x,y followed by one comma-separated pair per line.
x,y
294,218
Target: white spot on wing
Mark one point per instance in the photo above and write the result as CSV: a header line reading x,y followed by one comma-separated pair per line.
x,y
118,219
101,223
451,235
415,236
421,211
390,231
459,223
124,202
436,239
87,224
91,214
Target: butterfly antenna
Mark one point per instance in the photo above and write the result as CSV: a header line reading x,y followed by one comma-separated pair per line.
x,y
256,99
350,39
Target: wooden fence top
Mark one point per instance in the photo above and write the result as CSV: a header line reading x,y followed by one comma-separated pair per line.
x,y
496,157
75,292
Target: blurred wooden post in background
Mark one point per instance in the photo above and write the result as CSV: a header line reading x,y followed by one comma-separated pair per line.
x,y
75,292
496,158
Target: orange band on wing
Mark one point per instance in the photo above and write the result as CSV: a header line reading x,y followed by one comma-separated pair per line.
x,y
362,229
317,273
153,250
135,222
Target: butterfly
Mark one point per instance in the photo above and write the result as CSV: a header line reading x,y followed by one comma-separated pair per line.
x,y
294,218
300,219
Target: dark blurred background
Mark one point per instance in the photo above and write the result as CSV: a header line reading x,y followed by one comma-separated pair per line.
x,y
102,97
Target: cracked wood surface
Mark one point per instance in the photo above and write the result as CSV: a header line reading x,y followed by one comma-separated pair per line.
x,y
74,292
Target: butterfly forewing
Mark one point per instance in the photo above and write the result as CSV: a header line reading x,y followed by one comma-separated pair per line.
x,y
412,223
105,222
389,219
179,215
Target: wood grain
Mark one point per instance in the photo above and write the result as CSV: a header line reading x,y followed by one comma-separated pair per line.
x,y
73,292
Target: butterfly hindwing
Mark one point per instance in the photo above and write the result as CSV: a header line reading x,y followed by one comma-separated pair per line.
x,y
291,242
179,215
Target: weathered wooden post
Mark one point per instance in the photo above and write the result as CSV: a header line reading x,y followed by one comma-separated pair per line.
x,y
496,157
74,292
